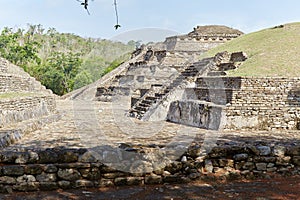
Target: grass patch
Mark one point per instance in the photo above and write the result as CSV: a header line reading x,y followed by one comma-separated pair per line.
x,y
271,52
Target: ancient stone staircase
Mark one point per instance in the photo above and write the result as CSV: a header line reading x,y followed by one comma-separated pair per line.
x,y
158,92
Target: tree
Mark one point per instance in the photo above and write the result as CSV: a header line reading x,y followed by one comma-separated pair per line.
x,y
17,51
59,72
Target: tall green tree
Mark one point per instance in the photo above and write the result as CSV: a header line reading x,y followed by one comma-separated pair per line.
x,y
59,72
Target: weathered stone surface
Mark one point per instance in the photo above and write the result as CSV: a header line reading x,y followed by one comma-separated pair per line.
x,y
293,150
174,167
8,157
90,173
194,176
264,159
13,170
208,166
26,178
88,157
7,180
173,179
283,161
68,174
279,151
48,156
153,179
114,175
64,184
248,166
68,156
296,160
239,157
106,182
33,169
121,181
83,184
31,186
22,158
51,168
141,167
44,177
76,165
226,163
264,150
48,186
261,166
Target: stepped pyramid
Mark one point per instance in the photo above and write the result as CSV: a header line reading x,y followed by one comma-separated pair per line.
x,y
25,104
166,81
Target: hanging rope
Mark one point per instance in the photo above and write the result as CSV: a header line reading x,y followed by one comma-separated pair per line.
x,y
85,4
117,16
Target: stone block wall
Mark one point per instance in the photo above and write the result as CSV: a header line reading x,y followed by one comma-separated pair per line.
x,y
3,65
15,83
51,169
189,44
264,103
250,103
24,108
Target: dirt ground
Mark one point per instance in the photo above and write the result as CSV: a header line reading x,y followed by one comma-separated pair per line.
x,y
266,189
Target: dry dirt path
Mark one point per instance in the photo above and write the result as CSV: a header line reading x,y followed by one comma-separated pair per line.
x,y
275,189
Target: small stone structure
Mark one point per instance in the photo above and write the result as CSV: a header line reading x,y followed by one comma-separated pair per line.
x,y
201,39
247,103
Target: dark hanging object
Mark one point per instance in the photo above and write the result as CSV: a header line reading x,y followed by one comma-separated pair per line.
x,y
117,16
85,5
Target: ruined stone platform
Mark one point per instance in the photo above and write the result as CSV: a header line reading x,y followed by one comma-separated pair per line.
x,y
67,132
74,153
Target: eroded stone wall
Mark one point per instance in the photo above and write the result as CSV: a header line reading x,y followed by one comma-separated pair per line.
x,y
50,169
264,103
248,103
187,44
23,108
15,83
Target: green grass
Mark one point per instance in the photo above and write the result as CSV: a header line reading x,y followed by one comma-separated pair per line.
x,y
271,52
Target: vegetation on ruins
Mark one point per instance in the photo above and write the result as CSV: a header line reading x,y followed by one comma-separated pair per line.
x,y
271,52
61,61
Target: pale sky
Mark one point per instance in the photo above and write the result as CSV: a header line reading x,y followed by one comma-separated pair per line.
x,y
175,15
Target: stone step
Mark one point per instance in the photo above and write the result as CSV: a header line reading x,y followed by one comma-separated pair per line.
x,y
144,105
134,110
146,101
159,95
151,98
141,108
216,73
15,132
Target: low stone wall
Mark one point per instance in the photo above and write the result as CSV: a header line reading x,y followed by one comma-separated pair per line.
x,y
50,169
23,108
253,103
265,103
